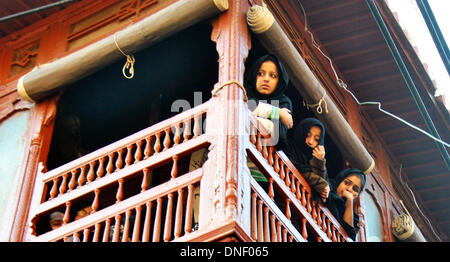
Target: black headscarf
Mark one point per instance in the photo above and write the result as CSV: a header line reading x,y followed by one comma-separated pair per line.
x,y
299,152
346,173
336,204
277,95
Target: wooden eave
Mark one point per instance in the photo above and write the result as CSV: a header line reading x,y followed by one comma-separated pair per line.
x,y
349,35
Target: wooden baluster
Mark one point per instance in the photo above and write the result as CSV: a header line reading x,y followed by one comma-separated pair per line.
x,y
147,222
129,157
76,237
148,147
258,142
167,141
276,166
288,208
293,184
324,225
157,146
174,171
116,234
333,236
96,237
298,193
168,222
319,239
106,232
110,166
54,190
304,231
86,232
179,214
260,221
189,207
187,130
91,173
138,154
197,125
328,228
157,228
303,189
254,218
308,202
73,180
313,211
145,180
271,191
270,157
95,203
137,225
100,171
281,169
82,176
126,227
273,228
265,151
319,214
66,218
284,235
119,161
266,225
287,180
290,238
177,136
252,134
322,215
119,194
279,237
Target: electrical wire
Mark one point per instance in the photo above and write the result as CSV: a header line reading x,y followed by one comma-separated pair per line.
x,y
415,202
344,86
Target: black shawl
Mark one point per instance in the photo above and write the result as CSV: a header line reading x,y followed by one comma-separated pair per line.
x,y
336,204
277,96
298,151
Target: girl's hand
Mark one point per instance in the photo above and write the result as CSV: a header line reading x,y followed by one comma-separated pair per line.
x,y
286,117
347,195
319,152
325,194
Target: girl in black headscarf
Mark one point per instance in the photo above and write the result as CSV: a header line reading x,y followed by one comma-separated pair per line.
x,y
307,152
265,83
345,188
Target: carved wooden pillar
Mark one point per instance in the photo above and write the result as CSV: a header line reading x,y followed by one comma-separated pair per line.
x,y
40,133
223,175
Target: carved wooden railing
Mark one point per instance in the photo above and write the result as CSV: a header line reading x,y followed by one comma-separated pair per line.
x,y
290,191
111,169
268,223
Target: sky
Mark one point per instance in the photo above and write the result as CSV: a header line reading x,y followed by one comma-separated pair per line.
x,y
411,20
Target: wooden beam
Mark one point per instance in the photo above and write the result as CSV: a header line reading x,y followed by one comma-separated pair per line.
x,y
46,79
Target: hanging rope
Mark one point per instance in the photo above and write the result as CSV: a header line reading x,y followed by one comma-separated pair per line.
x,y
319,108
214,92
129,64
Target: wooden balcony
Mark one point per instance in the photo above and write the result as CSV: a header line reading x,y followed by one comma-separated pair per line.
x,y
140,189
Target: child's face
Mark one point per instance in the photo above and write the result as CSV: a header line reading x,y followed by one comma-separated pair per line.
x,y
267,78
351,184
313,137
